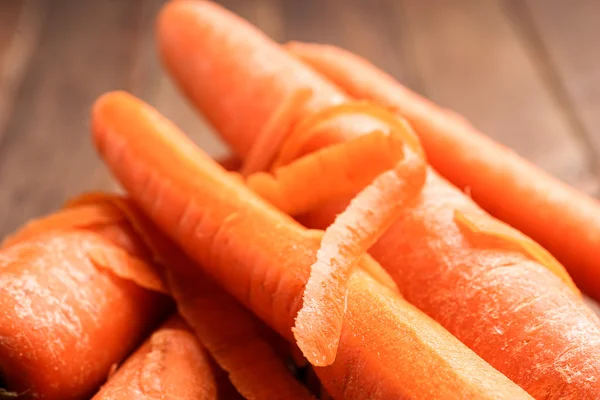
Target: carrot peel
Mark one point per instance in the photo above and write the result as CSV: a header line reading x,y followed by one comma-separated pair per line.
x,y
274,132
334,172
322,128
319,322
126,266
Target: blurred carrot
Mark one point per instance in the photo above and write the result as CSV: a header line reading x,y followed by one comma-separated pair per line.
x,y
531,200
388,349
514,306
170,364
66,319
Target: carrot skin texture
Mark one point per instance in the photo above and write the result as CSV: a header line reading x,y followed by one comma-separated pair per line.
x,y
532,201
436,257
262,258
171,363
240,343
65,321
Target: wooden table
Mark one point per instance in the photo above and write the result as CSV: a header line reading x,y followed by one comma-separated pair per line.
x,y
527,72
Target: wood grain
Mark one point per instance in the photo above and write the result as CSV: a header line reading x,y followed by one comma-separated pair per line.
x,y
20,23
85,49
472,61
569,34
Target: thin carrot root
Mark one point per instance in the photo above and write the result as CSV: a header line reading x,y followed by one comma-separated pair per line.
x,y
274,132
511,239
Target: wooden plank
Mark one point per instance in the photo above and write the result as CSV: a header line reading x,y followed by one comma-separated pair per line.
x,y
567,35
85,49
374,30
472,61
20,23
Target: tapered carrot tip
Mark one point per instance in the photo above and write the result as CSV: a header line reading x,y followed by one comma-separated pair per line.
x,y
213,54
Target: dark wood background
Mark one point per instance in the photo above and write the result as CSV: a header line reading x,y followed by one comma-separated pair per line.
x,y
527,72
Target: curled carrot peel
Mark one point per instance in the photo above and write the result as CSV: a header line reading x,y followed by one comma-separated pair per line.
x,y
324,128
273,134
366,263
511,239
334,172
126,266
319,322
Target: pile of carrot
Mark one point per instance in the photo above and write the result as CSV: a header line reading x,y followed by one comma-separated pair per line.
x,y
333,257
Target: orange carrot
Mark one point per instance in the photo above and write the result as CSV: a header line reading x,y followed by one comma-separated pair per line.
x,y
530,200
388,349
251,117
511,309
65,321
170,364
238,342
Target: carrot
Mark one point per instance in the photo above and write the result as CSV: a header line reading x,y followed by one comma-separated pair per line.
x,y
511,309
388,349
531,200
251,116
239,343
170,364
65,321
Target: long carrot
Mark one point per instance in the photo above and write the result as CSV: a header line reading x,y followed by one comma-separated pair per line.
x,y
530,200
170,364
388,349
501,299
64,320
239,343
